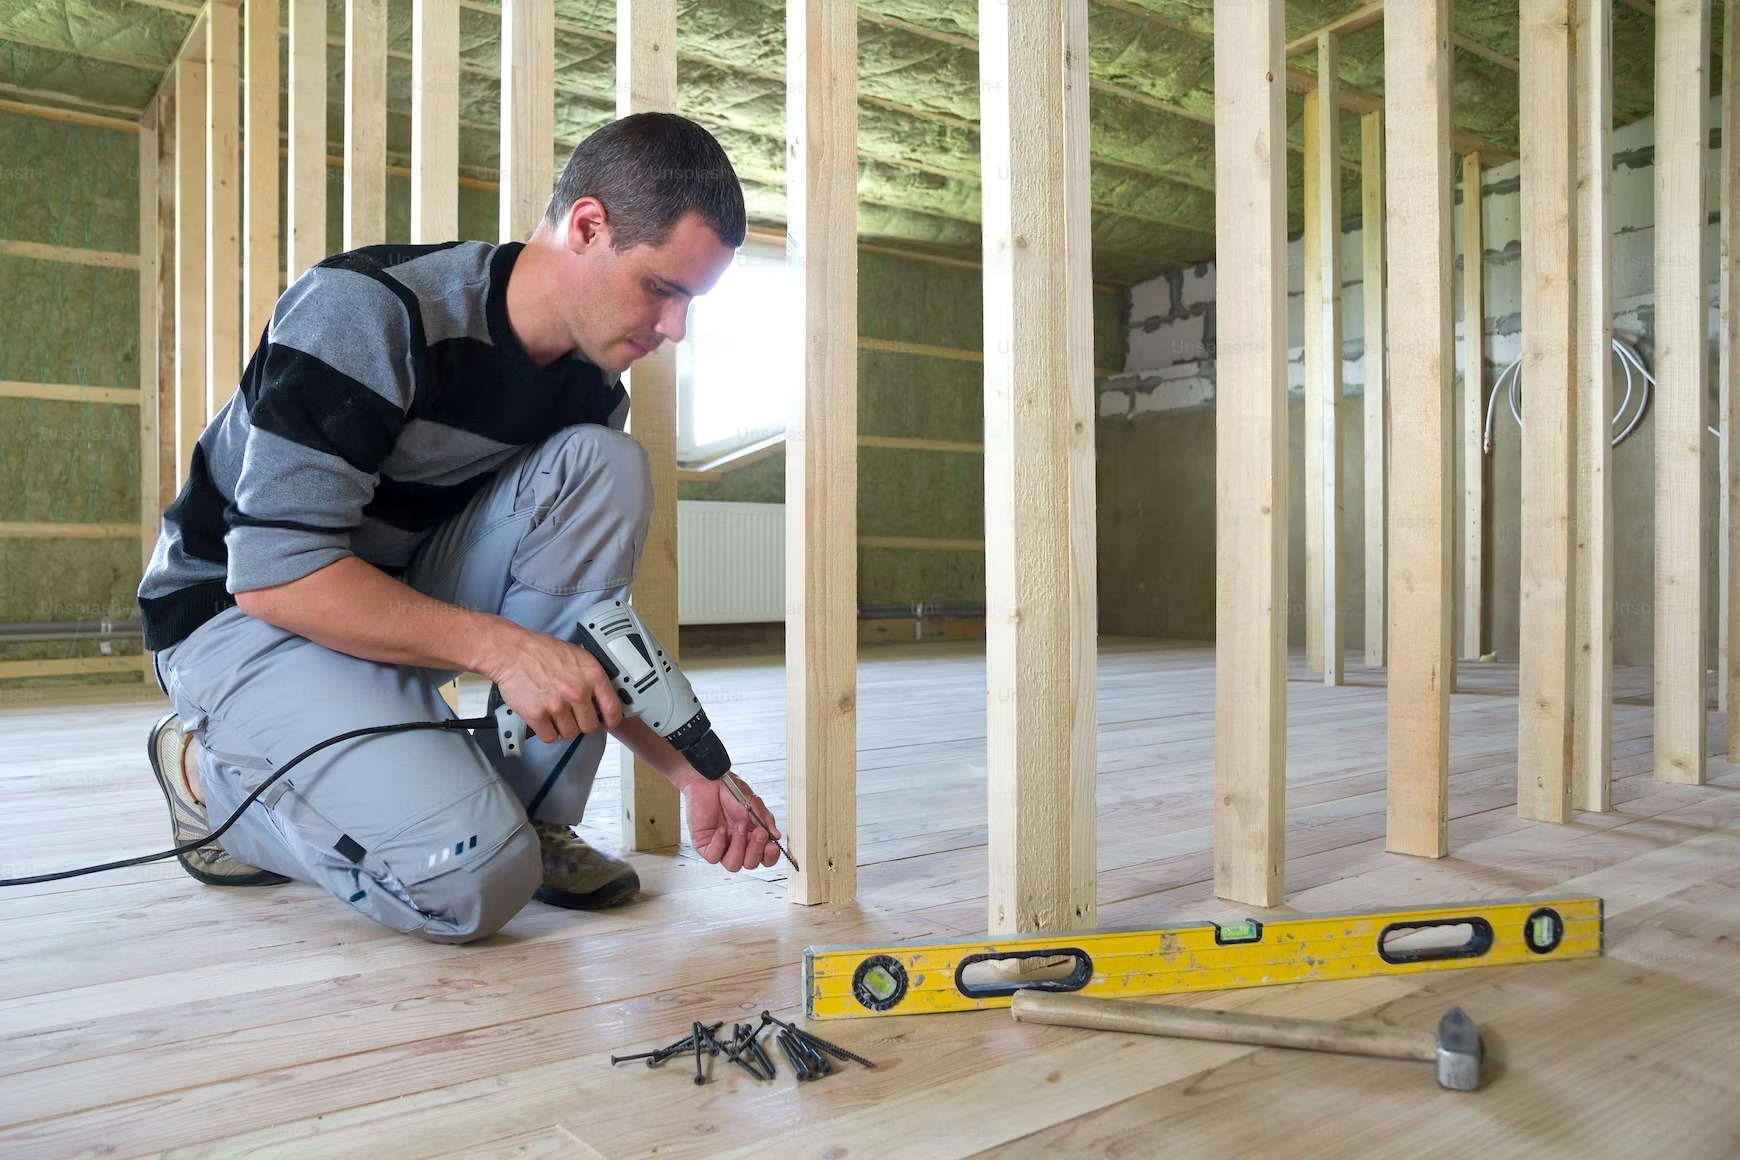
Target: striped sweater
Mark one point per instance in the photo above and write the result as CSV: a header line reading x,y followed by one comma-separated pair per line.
x,y
386,391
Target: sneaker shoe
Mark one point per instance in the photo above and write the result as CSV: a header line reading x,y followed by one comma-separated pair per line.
x,y
187,820
577,877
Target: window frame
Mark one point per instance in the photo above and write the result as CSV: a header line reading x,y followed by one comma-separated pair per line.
x,y
689,454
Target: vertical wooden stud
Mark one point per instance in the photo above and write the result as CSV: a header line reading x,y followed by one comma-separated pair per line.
x,y
189,260
1418,172
167,303
365,123
1549,367
1592,745
1250,671
1039,552
1376,414
150,464
1682,59
223,205
305,203
434,121
646,82
1729,397
261,252
821,505
1473,412
1328,275
1312,247
528,113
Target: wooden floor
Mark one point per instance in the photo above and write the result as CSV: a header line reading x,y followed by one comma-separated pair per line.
x,y
142,1013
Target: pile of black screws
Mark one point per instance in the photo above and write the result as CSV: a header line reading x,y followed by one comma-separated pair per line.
x,y
807,1054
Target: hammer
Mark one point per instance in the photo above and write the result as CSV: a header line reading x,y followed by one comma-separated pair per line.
x,y
1456,1048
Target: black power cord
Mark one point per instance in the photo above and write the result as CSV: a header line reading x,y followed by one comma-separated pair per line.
x,y
460,723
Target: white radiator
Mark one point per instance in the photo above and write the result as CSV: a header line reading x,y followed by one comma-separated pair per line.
x,y
730,562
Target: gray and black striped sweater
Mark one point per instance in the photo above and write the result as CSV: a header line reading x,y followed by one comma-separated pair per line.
x,y
386,391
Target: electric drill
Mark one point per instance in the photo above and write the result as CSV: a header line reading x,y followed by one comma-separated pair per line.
x,y
650,686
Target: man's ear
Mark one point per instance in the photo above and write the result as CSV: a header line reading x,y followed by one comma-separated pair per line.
x,y
588,225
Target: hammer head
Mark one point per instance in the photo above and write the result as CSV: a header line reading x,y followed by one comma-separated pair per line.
x,y
1459,1051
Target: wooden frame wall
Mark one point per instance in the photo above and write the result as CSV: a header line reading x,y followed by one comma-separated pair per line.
x,y
365,123
261,253
646,70
1039,426
1549,369
1376,415
1250,689
190,235
305,199
1418,169
1682,90
1473,412
821,493
223,205
151,464
528,114
1592,716
434,121
1325,636
1728,678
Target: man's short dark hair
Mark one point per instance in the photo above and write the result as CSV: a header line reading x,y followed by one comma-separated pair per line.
x,y
648,170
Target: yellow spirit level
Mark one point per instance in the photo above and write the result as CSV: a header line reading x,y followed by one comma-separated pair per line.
x,y
967,974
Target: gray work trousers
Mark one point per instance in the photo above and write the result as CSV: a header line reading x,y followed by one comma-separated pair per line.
x,y
424,831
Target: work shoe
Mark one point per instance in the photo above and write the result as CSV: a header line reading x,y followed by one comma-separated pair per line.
x,y
187,820
576,876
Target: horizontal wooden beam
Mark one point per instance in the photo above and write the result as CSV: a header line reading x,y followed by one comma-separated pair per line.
x,y
72,255
74,666
98,114
45,530
67,393
924,350
1358,19
902,443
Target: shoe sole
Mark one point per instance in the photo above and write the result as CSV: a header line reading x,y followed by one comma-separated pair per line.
x,y
258,878
610,894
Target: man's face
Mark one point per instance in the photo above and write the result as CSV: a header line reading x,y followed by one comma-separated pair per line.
x,y
627,303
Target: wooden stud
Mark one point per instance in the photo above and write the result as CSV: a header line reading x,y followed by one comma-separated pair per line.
x,y
528,113
646,71
1549,368
305,202
166,301
1250,672
1039,550
189,261
262,251
149,385
1729,681
365,123
821,492
1682,58
1328,275
73,255
1371,140
1473,411
77,392
1592,742
1418,171
1312,245
434,121
223,206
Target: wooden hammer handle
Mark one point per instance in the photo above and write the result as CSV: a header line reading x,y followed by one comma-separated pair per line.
x,y
1223,1026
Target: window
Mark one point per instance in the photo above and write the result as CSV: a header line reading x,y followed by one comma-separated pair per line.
x,y
742,358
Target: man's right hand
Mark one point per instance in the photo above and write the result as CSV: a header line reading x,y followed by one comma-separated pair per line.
x,y
556,687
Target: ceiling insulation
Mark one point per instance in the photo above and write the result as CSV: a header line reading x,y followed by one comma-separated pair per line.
x,y
1150,60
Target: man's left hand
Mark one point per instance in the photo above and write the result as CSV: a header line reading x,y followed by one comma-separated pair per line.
x,y
724,832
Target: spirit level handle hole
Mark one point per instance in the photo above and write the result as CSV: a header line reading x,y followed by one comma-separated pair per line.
x,y
1424,942
984,976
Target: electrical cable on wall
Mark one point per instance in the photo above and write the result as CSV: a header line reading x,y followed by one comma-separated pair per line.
x,y
1628,359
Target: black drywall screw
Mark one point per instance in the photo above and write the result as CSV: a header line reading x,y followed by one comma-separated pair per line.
x,y
816,1041
616,1059
699,1078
